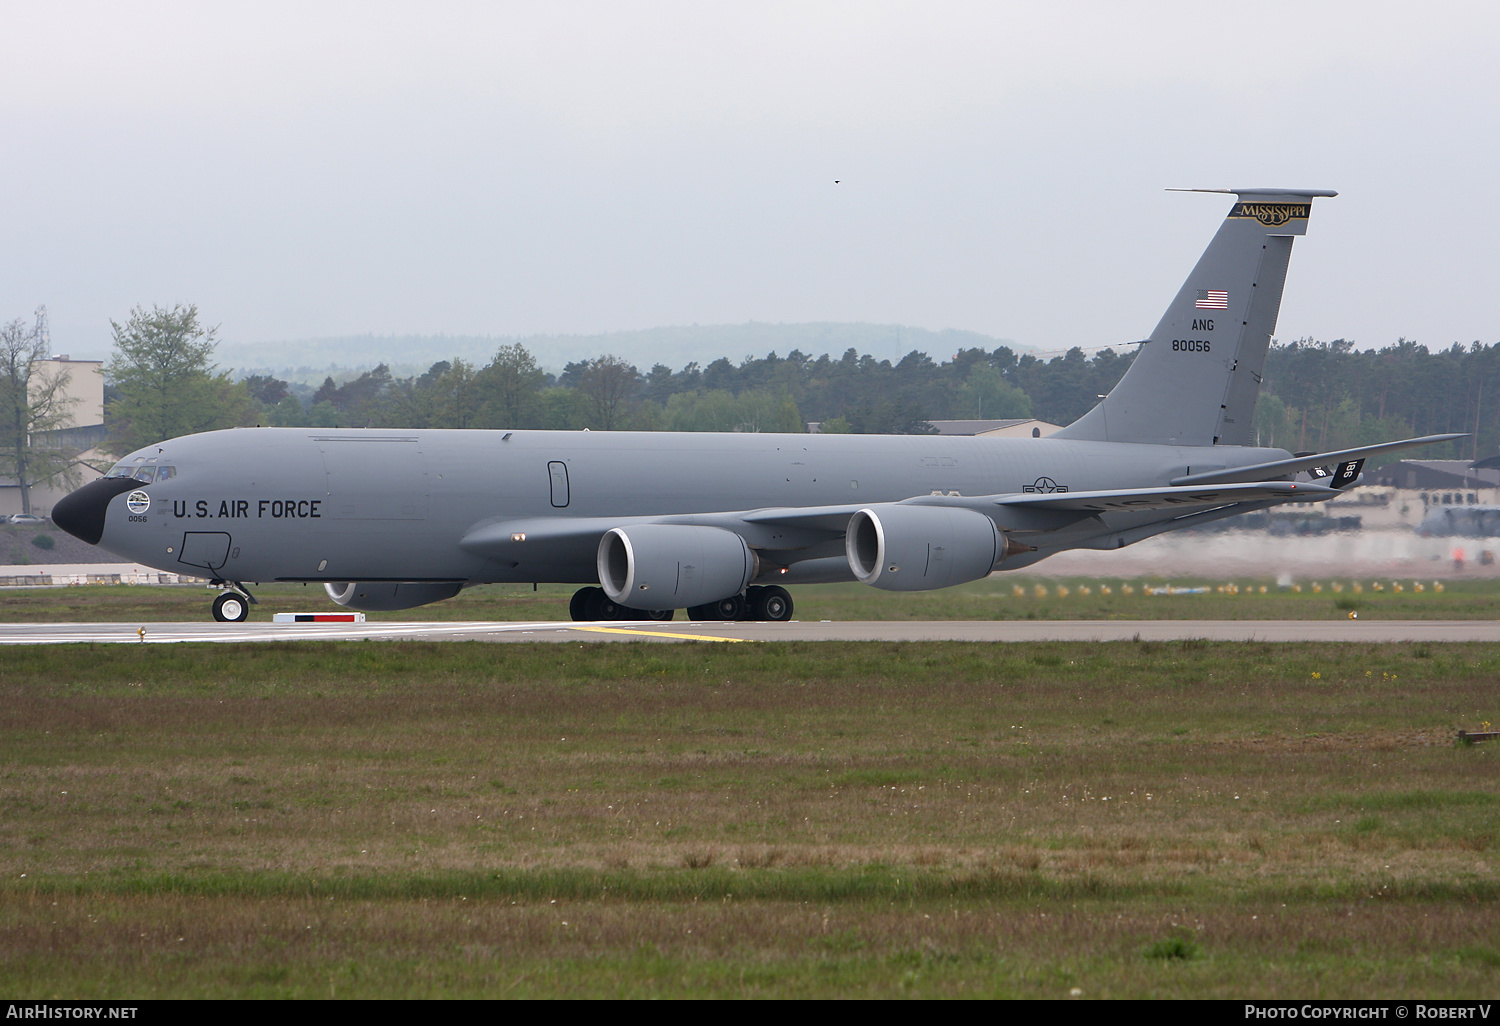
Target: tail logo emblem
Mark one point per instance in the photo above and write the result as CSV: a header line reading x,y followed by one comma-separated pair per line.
x,y
1044,486
1272,214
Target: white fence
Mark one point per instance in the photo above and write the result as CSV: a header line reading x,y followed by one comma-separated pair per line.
x,y
79,574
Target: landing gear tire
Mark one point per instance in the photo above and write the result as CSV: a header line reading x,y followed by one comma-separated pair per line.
x,y
731,608
594,604
578,604
231,608
599,606
771,603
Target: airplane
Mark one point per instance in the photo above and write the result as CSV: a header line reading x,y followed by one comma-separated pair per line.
x,y
720,524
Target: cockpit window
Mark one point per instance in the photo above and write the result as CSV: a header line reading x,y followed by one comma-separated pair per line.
x,y
145,474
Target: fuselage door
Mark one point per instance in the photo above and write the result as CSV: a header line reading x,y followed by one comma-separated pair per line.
x,y
208,549
559,474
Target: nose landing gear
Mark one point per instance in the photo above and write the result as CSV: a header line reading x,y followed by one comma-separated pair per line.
x,y
233,606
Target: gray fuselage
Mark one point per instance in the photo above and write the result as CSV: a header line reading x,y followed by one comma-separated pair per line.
x,y
300,504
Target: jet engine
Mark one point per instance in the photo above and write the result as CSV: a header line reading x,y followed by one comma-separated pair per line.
x,y
672,566
918,548
382,596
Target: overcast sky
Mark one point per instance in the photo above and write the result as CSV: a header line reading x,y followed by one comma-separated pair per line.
x,y
313,169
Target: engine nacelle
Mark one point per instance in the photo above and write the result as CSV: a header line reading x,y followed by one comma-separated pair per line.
x,y
382,596
919,548
672,566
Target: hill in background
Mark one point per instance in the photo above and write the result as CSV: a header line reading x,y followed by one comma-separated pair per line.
x,y
309,360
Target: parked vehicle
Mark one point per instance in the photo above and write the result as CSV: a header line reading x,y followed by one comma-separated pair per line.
x,y
25,518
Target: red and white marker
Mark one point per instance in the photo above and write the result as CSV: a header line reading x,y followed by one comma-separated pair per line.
x,y
318,618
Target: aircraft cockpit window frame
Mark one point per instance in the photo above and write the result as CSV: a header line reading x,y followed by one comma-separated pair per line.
x,y
145,472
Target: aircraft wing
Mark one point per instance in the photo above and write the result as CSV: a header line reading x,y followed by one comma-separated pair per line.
x,y
804,526
552,538
536,530
1281,468
1133,499
833,519
545,539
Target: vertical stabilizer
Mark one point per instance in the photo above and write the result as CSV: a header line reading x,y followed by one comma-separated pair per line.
x,y
1195,382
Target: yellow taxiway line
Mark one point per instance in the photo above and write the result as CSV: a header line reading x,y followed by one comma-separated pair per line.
x,y
658,634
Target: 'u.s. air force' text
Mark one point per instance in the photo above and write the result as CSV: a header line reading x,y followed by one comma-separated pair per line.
x,y
249,509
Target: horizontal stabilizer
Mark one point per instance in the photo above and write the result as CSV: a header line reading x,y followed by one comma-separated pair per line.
x,y
1282,468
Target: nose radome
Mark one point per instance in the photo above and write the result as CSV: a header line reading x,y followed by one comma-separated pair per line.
x,y
81,513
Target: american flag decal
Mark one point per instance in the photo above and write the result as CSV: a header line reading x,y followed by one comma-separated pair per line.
x,y
1212,299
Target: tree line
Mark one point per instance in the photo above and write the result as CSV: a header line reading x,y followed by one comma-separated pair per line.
x,y
161,382
853,392
1328,395
1316,395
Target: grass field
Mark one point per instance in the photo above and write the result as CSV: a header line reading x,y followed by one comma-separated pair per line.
x,y
1002,597
417,820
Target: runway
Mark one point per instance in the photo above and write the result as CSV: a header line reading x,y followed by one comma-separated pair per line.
x,y
1369,632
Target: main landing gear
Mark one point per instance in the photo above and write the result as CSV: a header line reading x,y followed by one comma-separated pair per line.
x,y
760,603
233,606
594,604
772,603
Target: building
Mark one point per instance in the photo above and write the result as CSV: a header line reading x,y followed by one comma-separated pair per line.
x,y
1403,495
1437,475
81,436
1442,482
